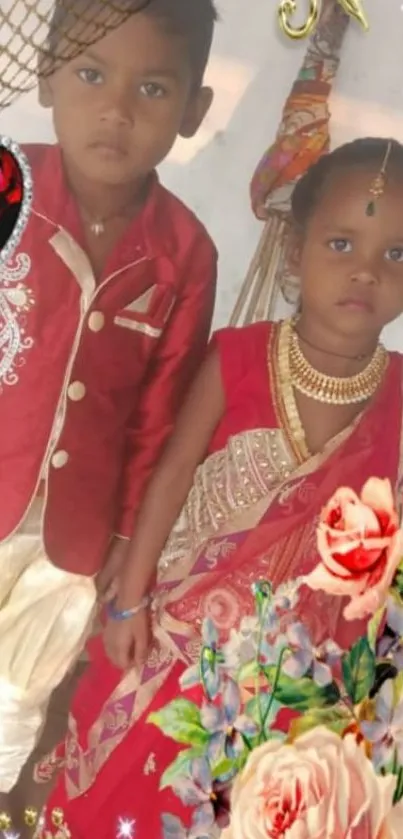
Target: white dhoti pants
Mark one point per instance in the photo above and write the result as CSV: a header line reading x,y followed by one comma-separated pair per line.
x,y
46,615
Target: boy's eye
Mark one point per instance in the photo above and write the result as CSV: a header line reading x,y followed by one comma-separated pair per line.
x,y
395,254
340,245
90,76
152,90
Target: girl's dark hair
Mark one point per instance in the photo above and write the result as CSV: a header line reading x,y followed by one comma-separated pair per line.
x,y
366,153
78,23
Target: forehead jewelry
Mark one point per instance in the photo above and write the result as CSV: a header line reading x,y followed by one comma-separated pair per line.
x,y
377,187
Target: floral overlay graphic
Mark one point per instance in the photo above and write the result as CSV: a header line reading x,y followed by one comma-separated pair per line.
x,y
15,196
32,819
290,738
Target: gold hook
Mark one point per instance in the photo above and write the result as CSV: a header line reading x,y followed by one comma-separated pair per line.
x,y
287,9
355,10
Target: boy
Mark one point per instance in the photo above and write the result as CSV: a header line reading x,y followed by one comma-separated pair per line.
x,y
106,313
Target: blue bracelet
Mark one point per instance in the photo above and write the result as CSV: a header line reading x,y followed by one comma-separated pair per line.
x,y
124,614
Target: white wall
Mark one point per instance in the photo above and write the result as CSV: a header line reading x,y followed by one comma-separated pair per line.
x,y
252,69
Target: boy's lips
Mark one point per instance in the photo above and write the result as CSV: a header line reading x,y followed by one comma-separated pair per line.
x,y
110,148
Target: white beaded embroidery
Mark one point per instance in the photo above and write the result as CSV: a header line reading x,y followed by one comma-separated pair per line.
x,y
13,147
16,299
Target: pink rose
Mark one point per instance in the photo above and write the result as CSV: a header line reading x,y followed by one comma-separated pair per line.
x,y
360,545
318,787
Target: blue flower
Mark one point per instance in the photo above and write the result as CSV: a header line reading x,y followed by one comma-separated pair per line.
x,y
286,596
394,615
208,670
270,652
386,732
226,724
200,828
211,798
306,657
241,648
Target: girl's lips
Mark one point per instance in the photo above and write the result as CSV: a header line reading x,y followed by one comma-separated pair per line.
x,y
357,304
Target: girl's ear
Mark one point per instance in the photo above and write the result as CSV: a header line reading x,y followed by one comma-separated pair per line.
x,y
294,251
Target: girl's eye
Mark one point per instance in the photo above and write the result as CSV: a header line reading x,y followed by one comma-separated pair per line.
x,y
394,254
340,245
152,90
90,76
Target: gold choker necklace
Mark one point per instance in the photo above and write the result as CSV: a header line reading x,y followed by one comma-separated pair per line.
x,y
333,390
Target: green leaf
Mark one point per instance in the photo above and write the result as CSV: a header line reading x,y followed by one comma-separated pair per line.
x,y
336,719
248,671
398,687
373,627
180,767
180,720
399,787
302,694
397,584
257,708
359,670
224,769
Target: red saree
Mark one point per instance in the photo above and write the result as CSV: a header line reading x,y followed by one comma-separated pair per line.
x,y
251,514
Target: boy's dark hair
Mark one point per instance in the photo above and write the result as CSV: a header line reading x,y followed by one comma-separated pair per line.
x,y
366,153
193,20
76,24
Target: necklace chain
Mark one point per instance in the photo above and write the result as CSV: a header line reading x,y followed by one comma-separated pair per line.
x,y
333,390
97,226
297,431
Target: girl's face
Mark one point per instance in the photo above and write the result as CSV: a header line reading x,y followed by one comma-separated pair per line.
x,y
351,264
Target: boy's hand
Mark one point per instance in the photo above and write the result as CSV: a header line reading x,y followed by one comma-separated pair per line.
x,y
127,642
107,578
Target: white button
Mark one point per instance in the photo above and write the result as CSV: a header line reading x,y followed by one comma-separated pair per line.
x,y
96,321
76,391
59,459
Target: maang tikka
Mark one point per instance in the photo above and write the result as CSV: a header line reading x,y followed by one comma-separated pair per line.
x,y
377,187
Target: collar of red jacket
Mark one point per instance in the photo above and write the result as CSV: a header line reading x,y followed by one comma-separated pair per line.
x,y
151,230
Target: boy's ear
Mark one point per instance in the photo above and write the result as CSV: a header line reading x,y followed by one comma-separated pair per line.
x,y
197,108
45,93
44,85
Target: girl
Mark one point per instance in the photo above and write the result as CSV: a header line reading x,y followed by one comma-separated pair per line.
x,y
279,417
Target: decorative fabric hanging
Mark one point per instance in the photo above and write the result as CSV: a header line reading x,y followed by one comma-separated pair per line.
x,y
302,138
37,35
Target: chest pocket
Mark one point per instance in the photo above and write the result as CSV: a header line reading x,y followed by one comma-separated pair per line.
x,y
130,342
149,313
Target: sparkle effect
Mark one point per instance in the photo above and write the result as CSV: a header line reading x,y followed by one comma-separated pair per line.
x,y
126,829
9,248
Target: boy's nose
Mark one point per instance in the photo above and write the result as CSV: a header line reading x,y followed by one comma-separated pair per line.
x,y
118,109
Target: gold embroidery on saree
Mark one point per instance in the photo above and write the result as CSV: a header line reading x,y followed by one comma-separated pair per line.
x,y
229,481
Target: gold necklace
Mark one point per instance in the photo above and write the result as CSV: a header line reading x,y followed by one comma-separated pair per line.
x,y
97,227
333,390
296,429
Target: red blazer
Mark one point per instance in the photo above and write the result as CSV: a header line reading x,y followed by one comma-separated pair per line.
x,y
91,375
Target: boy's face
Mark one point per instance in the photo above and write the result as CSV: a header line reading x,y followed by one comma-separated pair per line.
x,y
118,107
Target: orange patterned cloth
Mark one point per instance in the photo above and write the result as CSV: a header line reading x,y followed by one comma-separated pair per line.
x,y
303,135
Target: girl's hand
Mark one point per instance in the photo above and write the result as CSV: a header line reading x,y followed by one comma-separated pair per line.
x,y
127,642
